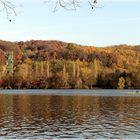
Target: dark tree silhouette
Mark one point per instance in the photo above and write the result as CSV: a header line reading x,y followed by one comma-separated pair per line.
x,y
71,4
9,8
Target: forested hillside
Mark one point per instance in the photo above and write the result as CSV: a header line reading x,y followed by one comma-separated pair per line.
x,y
56,64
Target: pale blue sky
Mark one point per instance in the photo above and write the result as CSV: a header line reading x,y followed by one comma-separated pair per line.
x,y
117,22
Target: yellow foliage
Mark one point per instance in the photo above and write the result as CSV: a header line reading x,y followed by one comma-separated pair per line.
x,y
121,83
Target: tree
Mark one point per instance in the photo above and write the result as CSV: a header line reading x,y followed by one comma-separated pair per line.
x,y
77,69
121,83
86,77
42,68
74,70
48,70
72,4
9,8
95,69
65,77
94,74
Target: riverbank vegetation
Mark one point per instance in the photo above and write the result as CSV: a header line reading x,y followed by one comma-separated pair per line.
x,y
56,64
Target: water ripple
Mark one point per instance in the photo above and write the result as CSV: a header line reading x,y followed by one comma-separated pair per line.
x,y
36,117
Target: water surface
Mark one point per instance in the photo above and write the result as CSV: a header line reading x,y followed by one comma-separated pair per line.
x,y
69,114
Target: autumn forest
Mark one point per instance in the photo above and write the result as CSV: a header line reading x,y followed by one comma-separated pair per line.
x,y
55,64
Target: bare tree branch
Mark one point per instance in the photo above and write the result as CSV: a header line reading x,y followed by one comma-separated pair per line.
x,y
72,4
7,7
93,4
66,4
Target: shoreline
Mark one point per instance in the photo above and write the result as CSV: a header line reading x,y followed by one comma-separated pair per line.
x,y
71,92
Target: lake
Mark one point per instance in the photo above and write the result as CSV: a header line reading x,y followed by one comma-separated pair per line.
x,y
69,114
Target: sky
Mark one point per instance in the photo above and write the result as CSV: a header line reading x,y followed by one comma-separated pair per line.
x,y
116,22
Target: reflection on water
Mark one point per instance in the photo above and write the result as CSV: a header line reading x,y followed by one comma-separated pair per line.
x,y
47,116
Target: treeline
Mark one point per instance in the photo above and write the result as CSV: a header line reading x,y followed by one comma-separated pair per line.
x,y
55,64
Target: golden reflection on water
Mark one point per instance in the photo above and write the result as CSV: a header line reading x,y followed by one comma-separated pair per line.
x,y
94,111
56,106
